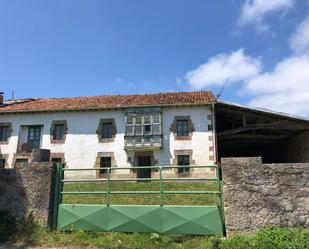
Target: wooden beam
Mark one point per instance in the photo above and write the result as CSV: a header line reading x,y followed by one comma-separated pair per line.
x,y
254,136
244,120
271,126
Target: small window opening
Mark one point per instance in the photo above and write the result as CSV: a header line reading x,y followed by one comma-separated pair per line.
x,y
183,163
105,162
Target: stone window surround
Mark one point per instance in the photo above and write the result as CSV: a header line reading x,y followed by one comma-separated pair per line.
x,y
175,161
22,155
191,128
58,155
6,158
98,160
99,130
65,132
9,132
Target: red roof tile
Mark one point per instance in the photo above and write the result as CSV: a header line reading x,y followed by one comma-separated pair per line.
x,y
111,101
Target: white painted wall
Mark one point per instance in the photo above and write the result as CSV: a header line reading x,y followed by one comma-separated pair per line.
x,y
81,145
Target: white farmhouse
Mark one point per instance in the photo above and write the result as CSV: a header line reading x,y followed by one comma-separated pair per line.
x,y
180,129
112,131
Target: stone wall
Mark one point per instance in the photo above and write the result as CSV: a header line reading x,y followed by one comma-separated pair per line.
x,y
28,187
257,195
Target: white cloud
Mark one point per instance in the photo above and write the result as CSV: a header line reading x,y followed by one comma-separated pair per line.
x,y
254,11
299,41
235,66
285,89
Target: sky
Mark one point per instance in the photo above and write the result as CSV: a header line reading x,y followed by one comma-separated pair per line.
x,y
64,48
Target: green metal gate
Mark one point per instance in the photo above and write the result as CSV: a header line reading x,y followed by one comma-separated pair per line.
x,y
160,218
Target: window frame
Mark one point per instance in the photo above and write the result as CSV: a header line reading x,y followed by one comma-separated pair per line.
x,y
34,137
53,136
4,133
183,168
99,132
9,130
110,130
21,160
190,128
58,133
140,132
144,123
181,129
104,171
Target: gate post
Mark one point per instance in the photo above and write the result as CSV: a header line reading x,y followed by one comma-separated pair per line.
x,y
57,194
161,187
108,185
219,199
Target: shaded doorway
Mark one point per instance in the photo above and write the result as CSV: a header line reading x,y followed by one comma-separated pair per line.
x,y
144,161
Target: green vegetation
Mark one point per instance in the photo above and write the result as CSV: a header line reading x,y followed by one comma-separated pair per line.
x,y
17,228
139,199
29,233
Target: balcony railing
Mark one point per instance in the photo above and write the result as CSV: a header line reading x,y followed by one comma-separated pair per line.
x,y
143,142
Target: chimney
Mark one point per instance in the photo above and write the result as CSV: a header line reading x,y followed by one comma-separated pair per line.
x,y
1,98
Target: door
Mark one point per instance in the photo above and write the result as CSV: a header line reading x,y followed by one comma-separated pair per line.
x,y
34,135
145,172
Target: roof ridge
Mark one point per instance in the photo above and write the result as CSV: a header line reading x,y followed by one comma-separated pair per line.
x,y
112,101
125,95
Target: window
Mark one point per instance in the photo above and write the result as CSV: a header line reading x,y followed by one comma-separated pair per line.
x,y
34,137
141,124
59,132
2,163
107,130
182,127
143,129
105,162
4,133
183,163
147,129
21,160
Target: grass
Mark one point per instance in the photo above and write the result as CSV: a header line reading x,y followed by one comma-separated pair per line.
x,y
267,238
140,199
26,231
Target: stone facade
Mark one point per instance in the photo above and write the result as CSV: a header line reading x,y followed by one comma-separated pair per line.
x,y
257,195
28,187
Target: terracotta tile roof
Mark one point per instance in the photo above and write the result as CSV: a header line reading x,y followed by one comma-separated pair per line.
x,y
111,101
